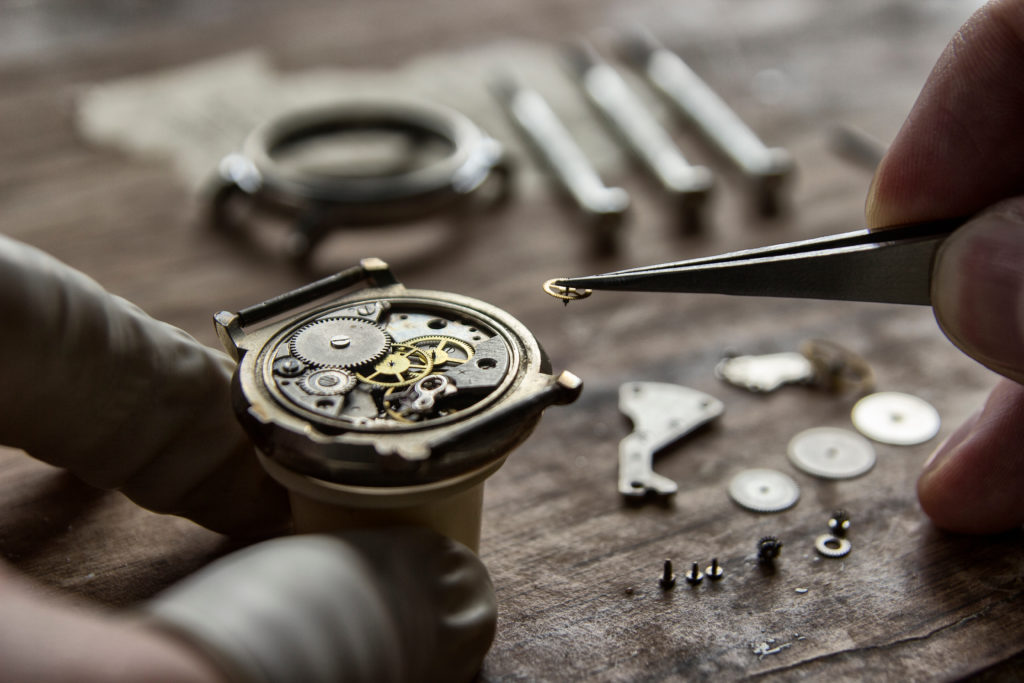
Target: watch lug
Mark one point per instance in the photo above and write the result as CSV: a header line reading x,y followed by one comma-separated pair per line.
x,y
229,331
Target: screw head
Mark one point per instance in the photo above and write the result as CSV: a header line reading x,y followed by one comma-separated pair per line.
x,y
694,576
340,341
714,570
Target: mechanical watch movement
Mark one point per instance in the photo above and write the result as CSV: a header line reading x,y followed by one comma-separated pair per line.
x,y
386,405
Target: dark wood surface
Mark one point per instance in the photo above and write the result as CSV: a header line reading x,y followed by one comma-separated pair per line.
x,y
575,569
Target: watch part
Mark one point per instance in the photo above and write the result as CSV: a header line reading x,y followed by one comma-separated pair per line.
x,y
376,365
661,414
328,382
832,546
765,373
764,490
566,294
831,453
339,343
896,418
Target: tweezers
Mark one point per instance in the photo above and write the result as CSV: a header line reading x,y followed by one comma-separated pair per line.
x,y
890,265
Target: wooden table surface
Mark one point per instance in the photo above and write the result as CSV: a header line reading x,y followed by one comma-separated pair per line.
x,y
575,569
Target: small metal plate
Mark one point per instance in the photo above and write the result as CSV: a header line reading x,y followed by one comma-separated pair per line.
x,y
763,490
895,418
831,453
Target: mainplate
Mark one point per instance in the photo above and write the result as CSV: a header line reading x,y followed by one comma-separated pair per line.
x,y
388,364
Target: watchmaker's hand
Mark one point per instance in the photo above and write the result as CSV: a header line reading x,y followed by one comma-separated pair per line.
x,y
93,384
962,150
395,606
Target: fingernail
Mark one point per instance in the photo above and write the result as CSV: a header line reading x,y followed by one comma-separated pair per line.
x,y
978,286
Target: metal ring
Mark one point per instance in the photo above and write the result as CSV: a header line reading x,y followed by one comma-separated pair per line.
x,y
322,200
832,546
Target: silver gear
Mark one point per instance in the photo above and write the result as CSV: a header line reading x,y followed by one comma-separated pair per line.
x,y
339,343
329,382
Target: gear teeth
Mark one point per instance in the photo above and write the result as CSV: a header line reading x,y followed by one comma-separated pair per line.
x,y
377,346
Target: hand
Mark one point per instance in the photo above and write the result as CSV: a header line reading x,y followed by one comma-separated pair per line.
x,y
391,605
961,152
123,401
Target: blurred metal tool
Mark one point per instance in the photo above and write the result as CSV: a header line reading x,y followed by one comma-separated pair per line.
x,y
628,116
856,146
605,207
322,196
891,265
765,167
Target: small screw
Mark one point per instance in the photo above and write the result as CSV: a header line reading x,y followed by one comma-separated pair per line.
x,y
714,572
839,523
768,548
693,577
668,579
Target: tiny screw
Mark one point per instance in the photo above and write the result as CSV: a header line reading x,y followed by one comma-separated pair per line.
x,y
693,577
839,523
768,548
668,579
714,572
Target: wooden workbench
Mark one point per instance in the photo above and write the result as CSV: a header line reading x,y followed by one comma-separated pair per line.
x,y
575,569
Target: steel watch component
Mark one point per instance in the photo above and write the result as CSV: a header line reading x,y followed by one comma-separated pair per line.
x,y
896,418
764,490
662,414
384,397
604,207
765,373
832,546
839,523
820,362
831,453
714,570
445,158
766,168
633,123
694,576
768,549
668,579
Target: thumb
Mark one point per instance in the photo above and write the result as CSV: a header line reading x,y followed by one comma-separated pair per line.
x,y
972,484
978,288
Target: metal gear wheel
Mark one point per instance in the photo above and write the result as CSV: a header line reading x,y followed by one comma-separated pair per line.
x,y
339,343
442,350
329,382
403,365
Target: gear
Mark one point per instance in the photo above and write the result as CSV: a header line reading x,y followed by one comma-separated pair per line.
x,y
404,365
339,343
328,382
442,350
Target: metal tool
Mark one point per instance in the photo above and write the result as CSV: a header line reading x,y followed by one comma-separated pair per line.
x,y
628,116
661,414
765,167
892,265
605,207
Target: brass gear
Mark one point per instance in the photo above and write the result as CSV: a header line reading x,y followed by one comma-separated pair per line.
x,y
339,343
442,350
403,365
